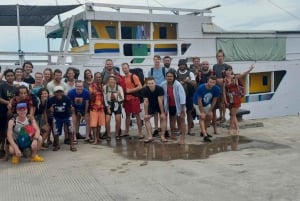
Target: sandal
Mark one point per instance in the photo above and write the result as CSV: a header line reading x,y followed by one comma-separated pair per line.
x,y
148,141
141,137
125,135
56,148
108,138
73,149
118,137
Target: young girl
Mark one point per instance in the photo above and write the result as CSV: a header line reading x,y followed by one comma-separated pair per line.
x,y
113,98
88,78
232,96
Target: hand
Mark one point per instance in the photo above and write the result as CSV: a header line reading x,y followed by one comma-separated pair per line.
x,y
128,91
52,108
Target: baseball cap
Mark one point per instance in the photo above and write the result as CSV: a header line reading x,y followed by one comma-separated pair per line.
x,y
58,88
21,105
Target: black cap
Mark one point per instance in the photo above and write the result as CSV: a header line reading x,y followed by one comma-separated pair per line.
x,y
182,62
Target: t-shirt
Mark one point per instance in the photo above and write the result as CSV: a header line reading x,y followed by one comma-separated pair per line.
x,y
29,80
61,106
130,85
153,95
79,100
158,74
219,70
51,85
6,92
171,98
207,95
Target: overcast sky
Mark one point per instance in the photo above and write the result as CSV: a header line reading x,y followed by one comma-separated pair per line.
x,y
232,15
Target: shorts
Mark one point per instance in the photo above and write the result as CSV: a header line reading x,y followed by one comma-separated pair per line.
x,y
79,111
132,106
115,108
97,118
189,104
206,108
58,125
172,110
152,111
3,125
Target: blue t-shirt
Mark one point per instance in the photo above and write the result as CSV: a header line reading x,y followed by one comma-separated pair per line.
x,y
62,107
207,95
78,100
158,74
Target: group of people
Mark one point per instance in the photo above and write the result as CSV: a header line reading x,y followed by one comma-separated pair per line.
x,y
50,103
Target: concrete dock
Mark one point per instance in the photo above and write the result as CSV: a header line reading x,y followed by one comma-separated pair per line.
x,y
262,163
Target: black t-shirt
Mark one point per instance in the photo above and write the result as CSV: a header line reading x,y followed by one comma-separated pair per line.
x,y
61,106
40,109
153,95
6,92
29,80
219,70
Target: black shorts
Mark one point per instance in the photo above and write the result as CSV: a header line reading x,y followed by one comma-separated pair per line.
x,y
152,111
172,110
115,108
189,104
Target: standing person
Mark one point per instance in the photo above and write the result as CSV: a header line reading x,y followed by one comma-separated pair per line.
x,y
57,81
167,62
80,98
27,67
154,104
196,66
109,70
70,79
7,92
113,99
174,104
219,69
22,133
19,78
61,107
159,74
97,116
232,96
48,76
38,84
204,101
88,78
188,81
131,102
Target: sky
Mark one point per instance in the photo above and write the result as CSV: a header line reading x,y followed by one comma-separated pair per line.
x,y
232,15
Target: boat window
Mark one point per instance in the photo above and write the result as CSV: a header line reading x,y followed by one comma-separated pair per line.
x,y
265,80
94,32
163,32
253,49
185,47
278,76
111,30
130,49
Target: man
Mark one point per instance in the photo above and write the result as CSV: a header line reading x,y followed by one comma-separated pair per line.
x,y
132,103
153,104
174,104
61,107
23,133
188,81
167,62
204,101
27,67
196,66
108,70
57,81
7,92
80,100
219,69
159,74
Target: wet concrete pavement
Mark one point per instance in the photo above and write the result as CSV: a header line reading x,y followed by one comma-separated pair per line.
x,y
261,164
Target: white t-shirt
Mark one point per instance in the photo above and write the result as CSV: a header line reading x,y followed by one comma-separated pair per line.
x,y
51,85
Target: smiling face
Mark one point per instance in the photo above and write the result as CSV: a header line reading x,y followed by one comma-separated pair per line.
x,y
47,75
28,68
23,93
151,84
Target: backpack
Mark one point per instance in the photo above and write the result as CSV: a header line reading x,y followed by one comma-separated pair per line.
x,y
139,73
163,70
24,139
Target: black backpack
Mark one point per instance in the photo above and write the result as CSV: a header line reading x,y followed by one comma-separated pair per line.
x,y
140,74
163,70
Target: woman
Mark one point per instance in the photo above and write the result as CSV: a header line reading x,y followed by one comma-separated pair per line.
x,y
97,116
70,80
232,96
88,78
113,99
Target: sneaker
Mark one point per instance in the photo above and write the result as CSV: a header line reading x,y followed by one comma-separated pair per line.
x,y
206,139
156,133
15,160
79,137
208,135
37,158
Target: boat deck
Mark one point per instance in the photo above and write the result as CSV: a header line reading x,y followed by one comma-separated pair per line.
x,y
261,164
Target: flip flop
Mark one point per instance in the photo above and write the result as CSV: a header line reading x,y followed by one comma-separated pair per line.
x,y
148,141
141,137
163,140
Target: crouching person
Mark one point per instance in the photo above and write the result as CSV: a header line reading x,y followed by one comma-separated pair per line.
x,y
61,107
22,133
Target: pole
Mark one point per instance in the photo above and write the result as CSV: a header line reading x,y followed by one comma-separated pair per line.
x,y
20,52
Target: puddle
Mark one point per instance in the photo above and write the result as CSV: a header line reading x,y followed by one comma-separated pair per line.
x,y
134,149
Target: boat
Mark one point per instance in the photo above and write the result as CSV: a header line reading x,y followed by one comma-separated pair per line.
x,y
134,34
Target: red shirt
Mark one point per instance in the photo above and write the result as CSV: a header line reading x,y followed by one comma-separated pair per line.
x,y
171,98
